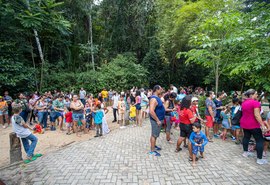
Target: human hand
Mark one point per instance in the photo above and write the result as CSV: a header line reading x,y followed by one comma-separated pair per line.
x,y
159,123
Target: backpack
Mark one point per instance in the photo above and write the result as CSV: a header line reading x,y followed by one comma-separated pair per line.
x,y
236,118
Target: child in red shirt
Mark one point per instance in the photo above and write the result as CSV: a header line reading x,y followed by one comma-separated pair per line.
x,y
69,124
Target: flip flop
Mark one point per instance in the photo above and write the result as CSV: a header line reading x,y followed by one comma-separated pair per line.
x,y
37,155
29,160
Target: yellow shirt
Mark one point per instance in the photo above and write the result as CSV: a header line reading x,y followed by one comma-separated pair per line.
x,y
132,113
3,105
104,94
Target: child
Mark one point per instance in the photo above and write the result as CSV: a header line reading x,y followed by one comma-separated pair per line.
x,y
177,121
38,129
68,117
22,131
226,121
198,141
88,115
132,113
236,116
121,110
266,133
98,120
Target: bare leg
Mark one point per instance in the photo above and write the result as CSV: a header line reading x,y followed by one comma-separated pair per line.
x,y
84,126
179,142
193,160
190,149
60,121
152,143
2,120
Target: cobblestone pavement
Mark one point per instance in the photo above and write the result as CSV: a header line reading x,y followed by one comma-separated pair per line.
x,y
122,158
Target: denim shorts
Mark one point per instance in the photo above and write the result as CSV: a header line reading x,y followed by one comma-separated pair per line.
x,y
138,107
77,116
3,113
55,115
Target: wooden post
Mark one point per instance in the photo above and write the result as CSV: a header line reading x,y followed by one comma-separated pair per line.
x,y
15,148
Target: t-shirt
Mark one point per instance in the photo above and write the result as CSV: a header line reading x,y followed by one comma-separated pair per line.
x,y
132,113
115,100
210,103
194,109
144,100
185,116
32,103
3,106
196,138
104,94
17,125
121,107
68,116
82,94
58,104
110,94
179,97
8,99
98,117
225,117
248,120
23,103
218,103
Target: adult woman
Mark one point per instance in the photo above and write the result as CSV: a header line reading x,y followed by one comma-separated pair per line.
x,y
105,128
251,122
169,108
77,113
210,112
32,103
3,111
42,108
186,119
138,100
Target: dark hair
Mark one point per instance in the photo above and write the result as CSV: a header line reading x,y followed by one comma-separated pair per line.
x,y
197,125
186,102
250,92
219,94
69,109
235,100
60,96
208,93
173,95
156,87
138,93
98,106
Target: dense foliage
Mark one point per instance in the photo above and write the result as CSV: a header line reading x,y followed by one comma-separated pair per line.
x,y
52,44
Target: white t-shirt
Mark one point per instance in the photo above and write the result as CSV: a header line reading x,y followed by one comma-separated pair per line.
x,y
115,100
175,89
18,127
82,94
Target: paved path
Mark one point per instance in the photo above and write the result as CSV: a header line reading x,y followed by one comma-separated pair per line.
x,y
122,158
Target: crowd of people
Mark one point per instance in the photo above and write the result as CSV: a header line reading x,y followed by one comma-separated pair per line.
x,y
175,108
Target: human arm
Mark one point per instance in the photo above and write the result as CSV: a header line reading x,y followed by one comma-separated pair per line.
x,y
258,116
152,107
205,140
191,138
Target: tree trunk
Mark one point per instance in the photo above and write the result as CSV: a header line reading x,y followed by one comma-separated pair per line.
x,y
91,37
216,77
39,50
34,65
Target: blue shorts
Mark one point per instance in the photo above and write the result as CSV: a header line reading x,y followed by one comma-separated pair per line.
x,y
138,107
195,149
234,127
3,113
77,117
55,115
106,99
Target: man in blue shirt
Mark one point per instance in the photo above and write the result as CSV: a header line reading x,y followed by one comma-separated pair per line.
x,y
157,115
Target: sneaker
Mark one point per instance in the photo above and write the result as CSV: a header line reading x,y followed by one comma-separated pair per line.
x,y
155,153
122,127
4,127
247,154
157,148
261,161
186,146
233,139
237,142
216,136
264,154
96,135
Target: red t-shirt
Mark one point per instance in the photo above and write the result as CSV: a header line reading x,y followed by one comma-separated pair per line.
x,y
68,117
185,116
194,110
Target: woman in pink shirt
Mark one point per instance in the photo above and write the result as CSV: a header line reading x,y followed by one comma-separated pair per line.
x,y
251,122
138,100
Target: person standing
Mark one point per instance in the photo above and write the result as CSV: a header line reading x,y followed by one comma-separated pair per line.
x,y
218,119
115,100
157,115
169,108
77,114
9,100
25,107
82,96
3,112
251,122
210,112
105,95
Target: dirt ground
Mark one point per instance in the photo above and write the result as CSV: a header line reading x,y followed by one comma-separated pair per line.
x,y
50,141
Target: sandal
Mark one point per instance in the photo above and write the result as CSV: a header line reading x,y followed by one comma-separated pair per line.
x,y
170,141
37,155
29,160
190,159
68,133
178,150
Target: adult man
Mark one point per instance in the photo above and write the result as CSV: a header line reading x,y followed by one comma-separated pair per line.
x,y
115,100
105,94
157,115
57,112
82,95
8,99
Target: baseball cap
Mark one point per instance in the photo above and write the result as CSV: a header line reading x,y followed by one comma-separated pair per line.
x,y
194,99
